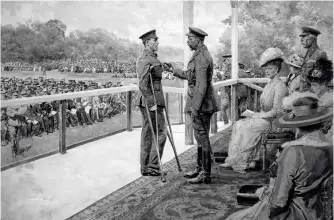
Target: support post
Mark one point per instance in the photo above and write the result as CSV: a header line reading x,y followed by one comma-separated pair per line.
x,y
188,20
214,126
181,108
234,39
62,126
129,110
234,104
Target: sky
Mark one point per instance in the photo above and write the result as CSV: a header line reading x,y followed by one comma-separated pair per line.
x,y
127,19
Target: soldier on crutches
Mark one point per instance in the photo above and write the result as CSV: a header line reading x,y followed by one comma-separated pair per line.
x,y
151,102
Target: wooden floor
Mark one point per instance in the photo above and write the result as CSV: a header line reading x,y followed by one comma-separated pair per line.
x,y
58,186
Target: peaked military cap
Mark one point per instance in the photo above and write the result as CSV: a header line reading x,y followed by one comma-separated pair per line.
x,y
193,31
309,30
148,35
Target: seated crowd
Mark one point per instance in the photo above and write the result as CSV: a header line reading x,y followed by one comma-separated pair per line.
x,y
118,69
302,105
35,119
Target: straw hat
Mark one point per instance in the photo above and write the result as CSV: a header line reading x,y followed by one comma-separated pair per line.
x,y
295,60
271,54
305,111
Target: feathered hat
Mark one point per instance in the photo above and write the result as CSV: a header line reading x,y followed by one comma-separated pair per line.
x,y
271,54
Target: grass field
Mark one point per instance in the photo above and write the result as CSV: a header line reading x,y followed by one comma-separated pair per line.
x,y
48,143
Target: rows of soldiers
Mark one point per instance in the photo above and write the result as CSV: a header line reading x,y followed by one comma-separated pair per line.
x,y
35,119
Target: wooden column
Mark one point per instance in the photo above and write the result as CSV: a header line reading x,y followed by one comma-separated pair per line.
x,y
235,57
181,108
234,104
129,110
234,39
62,126
188,20
214,126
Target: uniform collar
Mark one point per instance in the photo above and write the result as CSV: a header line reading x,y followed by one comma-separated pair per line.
x,y
151,53
198,50
312,49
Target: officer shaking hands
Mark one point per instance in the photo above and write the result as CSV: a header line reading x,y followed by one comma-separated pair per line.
x,y
149,72
201,102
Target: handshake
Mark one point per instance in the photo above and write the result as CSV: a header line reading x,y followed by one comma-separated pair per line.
x,y
168,67
168,71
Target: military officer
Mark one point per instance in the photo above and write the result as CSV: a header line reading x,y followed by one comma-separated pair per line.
x,y
149,69
201,102
309,41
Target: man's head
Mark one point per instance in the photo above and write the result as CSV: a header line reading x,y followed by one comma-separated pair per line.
x,y
150,40
195,37
308,36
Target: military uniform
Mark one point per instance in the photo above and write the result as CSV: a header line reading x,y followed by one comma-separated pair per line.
x,y
148,66
313,53
201,98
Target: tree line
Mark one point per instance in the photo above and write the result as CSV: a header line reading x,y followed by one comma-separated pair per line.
x,y
36,41
264,24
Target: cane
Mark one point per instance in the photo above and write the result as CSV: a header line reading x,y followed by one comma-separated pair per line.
x,y
171,139
163,179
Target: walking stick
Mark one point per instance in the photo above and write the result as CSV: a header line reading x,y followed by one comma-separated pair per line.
x,y
163,179
171,139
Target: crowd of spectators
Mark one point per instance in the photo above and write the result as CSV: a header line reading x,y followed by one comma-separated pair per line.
x,y
35,119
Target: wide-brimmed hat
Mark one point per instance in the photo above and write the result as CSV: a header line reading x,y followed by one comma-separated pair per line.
x,y
271,54
295,60
305,111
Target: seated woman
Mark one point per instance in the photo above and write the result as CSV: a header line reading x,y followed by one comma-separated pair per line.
x,y
246,133
301,169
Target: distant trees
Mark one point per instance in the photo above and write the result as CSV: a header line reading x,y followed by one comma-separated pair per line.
x,y
264,24
36,42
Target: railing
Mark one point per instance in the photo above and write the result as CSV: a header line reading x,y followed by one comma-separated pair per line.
x,y
62,99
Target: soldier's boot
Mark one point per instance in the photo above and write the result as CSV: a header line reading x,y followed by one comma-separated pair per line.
x,y
193,173
76,120
52,124
91,115
24,132
57,121
46,124
202,177
100,116
29,129
80,119
87,118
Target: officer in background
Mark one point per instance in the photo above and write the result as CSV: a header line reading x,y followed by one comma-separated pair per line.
x,y
309,41
149,69
201,102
